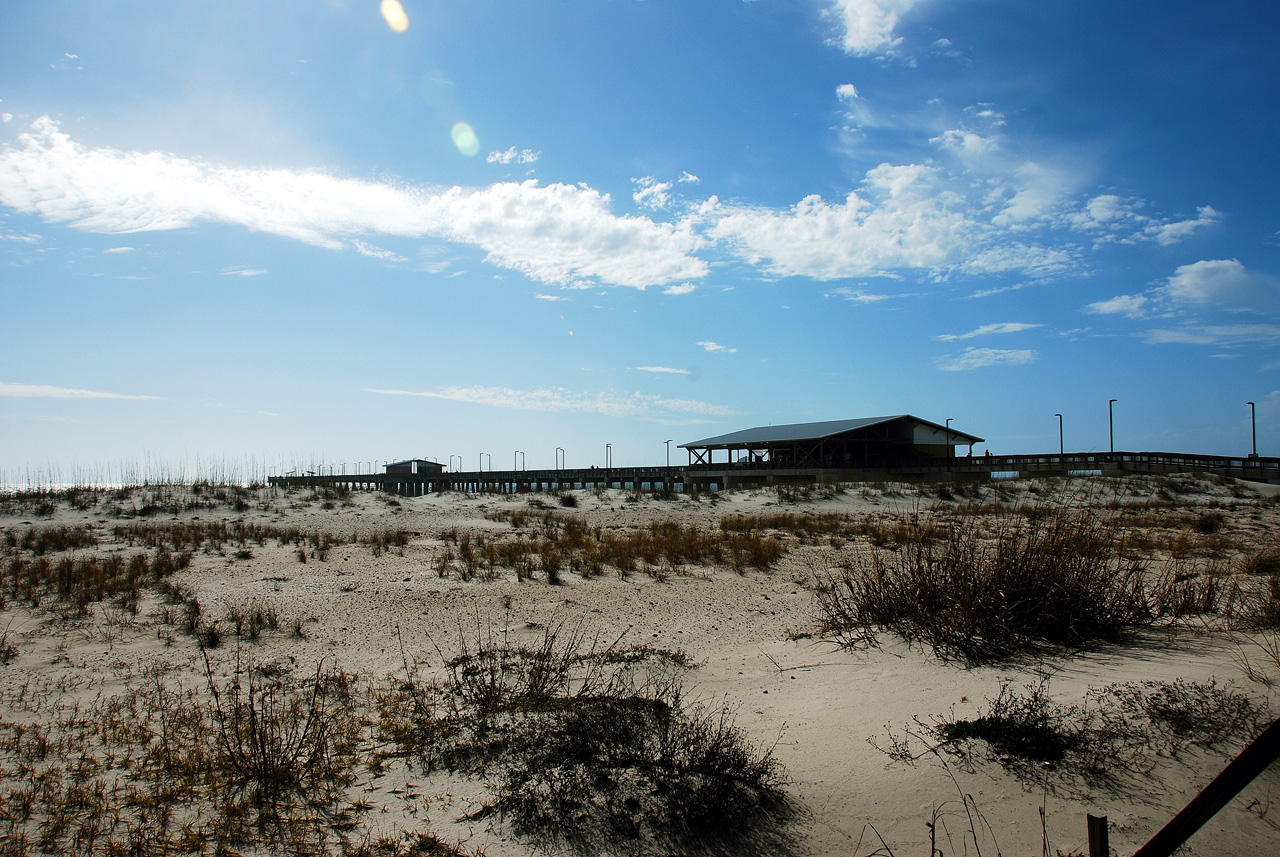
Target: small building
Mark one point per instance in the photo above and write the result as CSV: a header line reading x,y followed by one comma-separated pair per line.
x,y
413,466
868,442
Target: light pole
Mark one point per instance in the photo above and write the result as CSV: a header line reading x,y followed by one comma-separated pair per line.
x,y
513,460
668,444
1253,423
608,456
559,457
950,451
1061,448
482,455
1111,425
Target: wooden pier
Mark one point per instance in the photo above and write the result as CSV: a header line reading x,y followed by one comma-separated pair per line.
x,y
703,478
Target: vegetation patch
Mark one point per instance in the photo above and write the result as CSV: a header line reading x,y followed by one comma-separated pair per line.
x,y
593,748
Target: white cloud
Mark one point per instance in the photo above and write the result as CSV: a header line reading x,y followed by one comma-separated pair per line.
x,y
989,329
118,250
550,298
651,193
868,25
664,370
6,117
510,156
904,222
41,391
1133,306
1218,281
978,358
968,145
558,399
681,289
244,272
687,177
555,234
714,347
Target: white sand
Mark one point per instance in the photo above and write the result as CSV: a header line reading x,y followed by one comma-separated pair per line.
x,y
816,704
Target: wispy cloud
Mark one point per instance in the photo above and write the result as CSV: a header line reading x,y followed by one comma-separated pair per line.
x,y
1217,334
43,391
551,297
714,347
511,156
118,250
558,399
681,289
1133,306
979,358
989,329
1111,218
667,370
857,296
244,272
556,233
366,249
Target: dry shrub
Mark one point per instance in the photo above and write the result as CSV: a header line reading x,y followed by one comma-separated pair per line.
x,y
1045,578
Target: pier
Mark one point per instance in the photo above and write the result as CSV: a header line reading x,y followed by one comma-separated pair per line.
x,y
761,474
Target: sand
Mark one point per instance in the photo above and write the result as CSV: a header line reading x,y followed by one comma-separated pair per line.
x,y
753,636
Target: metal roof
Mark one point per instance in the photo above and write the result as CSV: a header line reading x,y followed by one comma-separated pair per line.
x,y
762,435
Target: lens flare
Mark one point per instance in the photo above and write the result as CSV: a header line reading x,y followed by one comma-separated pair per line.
x,y
393,13
465,139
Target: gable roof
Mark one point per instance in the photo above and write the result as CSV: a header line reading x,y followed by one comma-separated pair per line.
x,y
793,432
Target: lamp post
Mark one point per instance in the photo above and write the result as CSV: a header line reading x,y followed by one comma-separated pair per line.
x,y
1253,423
1061,448
513,460
608,456
668,445
559,457
948,427
1111,425
482,455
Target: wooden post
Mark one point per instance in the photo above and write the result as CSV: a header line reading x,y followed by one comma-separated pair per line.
x,y
1098,844
1264,750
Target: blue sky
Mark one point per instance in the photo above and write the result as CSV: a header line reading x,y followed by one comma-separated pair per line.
x,y
350,231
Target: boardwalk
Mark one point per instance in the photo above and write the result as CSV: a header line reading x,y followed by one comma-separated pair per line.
x,y
683,478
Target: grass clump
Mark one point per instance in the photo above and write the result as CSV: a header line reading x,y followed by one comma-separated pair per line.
x,y
250,765
592,746
983,596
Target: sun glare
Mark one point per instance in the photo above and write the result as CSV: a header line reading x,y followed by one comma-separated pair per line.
x,y
393,13
465,139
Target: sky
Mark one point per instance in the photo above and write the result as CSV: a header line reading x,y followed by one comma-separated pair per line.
x,y
348,231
